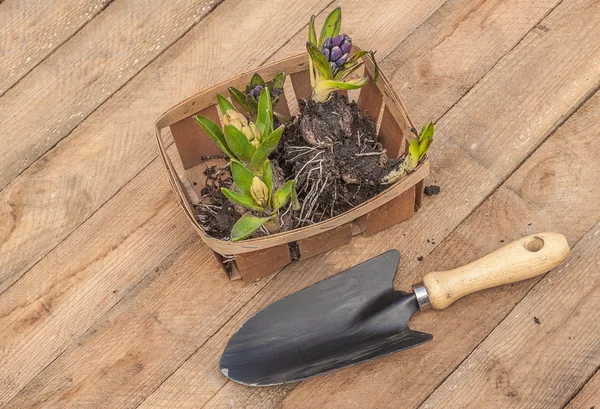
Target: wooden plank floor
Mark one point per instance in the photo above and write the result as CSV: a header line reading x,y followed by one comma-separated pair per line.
x,y
108,299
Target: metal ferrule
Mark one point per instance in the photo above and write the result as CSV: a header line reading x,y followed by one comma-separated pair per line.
x,y
422,296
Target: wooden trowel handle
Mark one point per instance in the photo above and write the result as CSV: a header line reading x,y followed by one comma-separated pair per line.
x,y
525,258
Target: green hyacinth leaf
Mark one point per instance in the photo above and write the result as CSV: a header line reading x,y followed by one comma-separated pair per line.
x,y
214,132
239,97
320,62
238,144
241,199
264,119
224,104
347,69
427,131
425,138
246,225
242,177
324,88
267,176
413,153
278,80
371,54
280,198
332,25
312,33
266,147
256,80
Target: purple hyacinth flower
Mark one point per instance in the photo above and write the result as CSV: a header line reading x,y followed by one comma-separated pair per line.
x,y
340,61
336,53
327,43
256,91
337,41
346,46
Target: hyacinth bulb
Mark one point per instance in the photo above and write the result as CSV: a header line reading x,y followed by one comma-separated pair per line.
x,y
336,50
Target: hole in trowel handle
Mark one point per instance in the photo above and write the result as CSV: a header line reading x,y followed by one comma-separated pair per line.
x,y
535,244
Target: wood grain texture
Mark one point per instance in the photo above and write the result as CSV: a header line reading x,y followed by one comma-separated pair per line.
x,y
170,315
520,260
589,396
32,30
544,350
66,292
209,272
504,216
133,371
56,194
82,74
79,182
540,181
442,60
381,386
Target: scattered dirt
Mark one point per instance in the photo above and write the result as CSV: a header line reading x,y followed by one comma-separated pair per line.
x,y
420,258
537,320
333,153
431,190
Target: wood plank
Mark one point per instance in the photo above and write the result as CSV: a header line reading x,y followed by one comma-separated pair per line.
x,y
411,376
340,387
556,181
56,194
173,312
546,348
442,60
84,72
352,258
464,184
62,295
207,273
59,213
589,396
82,184
32,30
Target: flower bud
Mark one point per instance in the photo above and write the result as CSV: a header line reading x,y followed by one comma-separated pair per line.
x,y
247,132
255,131
255,143
346,46
335,53
337,40
234,118
259,192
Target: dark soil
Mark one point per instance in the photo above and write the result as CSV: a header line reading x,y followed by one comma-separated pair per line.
x,y
431,190
335,156
216,214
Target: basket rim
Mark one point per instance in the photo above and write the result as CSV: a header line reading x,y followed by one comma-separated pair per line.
x,y
172,115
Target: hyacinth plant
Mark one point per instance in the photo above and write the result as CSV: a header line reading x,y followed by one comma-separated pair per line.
x,y
330,62
256,194
249,99
248,142
416,151
248,145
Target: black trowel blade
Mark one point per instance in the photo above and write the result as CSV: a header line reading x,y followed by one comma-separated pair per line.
x,y
352,317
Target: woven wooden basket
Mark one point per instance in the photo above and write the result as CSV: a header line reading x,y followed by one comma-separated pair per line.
x,y
254,258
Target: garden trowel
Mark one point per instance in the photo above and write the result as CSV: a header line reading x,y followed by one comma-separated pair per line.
x,y
356,316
